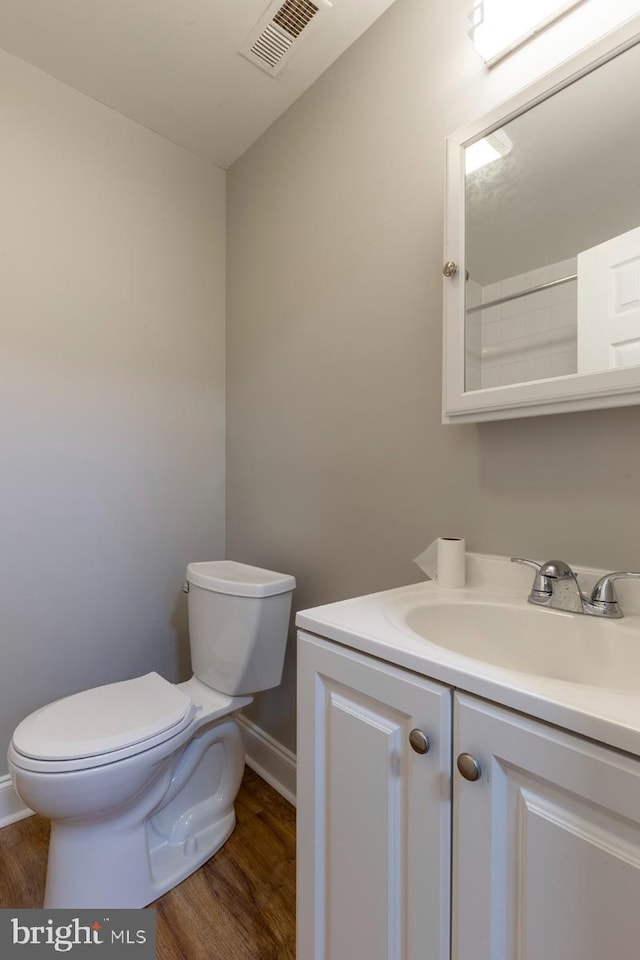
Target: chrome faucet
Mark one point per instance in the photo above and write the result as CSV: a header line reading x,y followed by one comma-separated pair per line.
x,y
556,586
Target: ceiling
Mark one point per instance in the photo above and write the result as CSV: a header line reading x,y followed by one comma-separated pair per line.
x,y
174,65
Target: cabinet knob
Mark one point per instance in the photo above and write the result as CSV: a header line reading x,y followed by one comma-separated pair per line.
x,y
419,741
450,268
469,767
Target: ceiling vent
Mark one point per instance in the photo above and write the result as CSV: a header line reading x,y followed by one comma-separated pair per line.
x,y
279,32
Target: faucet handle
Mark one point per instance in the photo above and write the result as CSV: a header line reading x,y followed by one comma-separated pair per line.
x,y
527,563
605,591
541,585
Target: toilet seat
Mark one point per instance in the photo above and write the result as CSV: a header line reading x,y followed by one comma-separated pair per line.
x,y
102,725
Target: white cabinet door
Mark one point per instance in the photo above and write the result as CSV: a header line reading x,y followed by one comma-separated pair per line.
x,y
609,304
373,815
546,843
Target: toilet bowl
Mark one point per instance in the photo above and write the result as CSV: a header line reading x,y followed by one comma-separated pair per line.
x,y
139,778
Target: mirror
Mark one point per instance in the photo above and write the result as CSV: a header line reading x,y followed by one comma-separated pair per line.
x,y
543,312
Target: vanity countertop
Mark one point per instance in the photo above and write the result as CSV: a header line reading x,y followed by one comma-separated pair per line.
x,y
374,625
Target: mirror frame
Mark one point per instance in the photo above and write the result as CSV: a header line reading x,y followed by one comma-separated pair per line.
x,y
586,391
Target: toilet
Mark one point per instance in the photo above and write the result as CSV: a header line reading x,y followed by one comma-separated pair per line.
x,y
139,778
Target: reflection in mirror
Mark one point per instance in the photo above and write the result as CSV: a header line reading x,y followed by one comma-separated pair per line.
x,y
553,235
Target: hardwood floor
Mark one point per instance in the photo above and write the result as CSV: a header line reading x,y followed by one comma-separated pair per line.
x,y
239,906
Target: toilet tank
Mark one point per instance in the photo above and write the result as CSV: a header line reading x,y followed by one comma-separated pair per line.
x,y
238,623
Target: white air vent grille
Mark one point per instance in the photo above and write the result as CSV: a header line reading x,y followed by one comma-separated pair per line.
x,y
278,33
294,15
271,45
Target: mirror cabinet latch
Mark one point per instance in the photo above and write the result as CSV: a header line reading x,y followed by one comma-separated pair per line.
x,y
450,268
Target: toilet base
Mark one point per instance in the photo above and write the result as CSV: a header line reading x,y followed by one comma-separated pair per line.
x,y
171,862
132,859
148,874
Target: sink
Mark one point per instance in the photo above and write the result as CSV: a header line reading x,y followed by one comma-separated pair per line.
x,y
579,673
517,636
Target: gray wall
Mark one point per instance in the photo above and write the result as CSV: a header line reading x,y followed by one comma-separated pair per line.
x,y
111,391
339,470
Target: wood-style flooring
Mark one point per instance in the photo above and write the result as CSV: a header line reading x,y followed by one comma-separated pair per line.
x,y
239,906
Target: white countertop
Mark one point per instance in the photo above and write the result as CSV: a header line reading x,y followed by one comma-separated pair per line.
x,y
371,625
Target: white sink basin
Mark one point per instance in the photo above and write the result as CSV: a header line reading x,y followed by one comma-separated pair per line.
x,y
521,637
577,672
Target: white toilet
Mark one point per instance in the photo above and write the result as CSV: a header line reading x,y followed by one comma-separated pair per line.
x,y
139,778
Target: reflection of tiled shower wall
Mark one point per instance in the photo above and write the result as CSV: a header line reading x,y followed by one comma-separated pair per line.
x,y
531,338
473,338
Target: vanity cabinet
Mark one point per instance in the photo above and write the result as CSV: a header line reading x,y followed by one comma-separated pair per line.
x,y
540,860
546,843
373,815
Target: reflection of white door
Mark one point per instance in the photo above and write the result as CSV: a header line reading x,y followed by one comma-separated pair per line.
x,y
609,304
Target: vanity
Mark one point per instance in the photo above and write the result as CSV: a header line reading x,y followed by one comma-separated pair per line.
x,y
468,774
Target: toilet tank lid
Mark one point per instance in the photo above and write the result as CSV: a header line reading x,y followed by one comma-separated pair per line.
x,y
238,579
104,719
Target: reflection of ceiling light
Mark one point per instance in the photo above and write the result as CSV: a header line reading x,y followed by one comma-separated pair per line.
x,y
492,147
500,26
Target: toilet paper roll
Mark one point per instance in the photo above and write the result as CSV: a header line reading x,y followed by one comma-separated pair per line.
x,y
444,561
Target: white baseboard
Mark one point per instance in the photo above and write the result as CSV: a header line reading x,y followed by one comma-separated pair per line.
x,y
270,759
12,808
